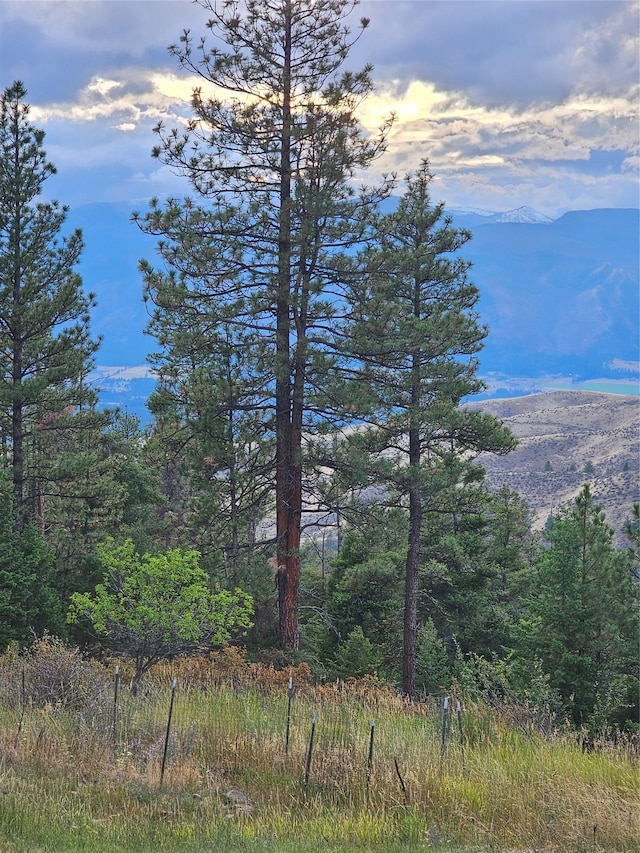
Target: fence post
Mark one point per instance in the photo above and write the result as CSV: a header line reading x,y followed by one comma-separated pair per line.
x,y
289,700
166,739
370,756
310,749
23,707
460,730
116,684
445,727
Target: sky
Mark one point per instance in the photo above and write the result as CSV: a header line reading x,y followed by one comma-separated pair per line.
x,y
514,102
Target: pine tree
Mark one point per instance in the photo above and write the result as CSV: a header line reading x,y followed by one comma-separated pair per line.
x,y
412,343
46,348
272,151
28,602
581,617
210,411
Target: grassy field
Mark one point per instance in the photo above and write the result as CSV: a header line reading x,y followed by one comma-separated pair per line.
x,y
81,770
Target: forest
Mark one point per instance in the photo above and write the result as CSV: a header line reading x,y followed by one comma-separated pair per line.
x,y
308,488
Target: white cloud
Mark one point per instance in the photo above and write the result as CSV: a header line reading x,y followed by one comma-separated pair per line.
x,y
510,101
460,135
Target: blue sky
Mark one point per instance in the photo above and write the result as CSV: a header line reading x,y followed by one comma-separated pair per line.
x,y
514,102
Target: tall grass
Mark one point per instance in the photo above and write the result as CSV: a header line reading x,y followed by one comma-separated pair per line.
x,y
68,782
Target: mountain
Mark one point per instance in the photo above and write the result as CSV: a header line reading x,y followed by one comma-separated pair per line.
x,y
109,268
559,298
566,439
472,217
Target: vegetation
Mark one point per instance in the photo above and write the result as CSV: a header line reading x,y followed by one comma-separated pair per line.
x,y
580,620
412,345
310,488
155,606
28,601
47,351
249,306
78,775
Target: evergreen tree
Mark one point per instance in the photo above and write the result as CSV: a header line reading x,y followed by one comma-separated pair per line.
x,y
46,348
273,156
364,590
130,464
474,564
581,617
209,407
28,603
413,340
632,532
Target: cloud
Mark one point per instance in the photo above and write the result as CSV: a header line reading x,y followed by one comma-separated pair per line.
x,y
133,28
459,132
514,52
130,92
512,102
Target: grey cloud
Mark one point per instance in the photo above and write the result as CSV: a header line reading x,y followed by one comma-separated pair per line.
x,y
502,54
110,27
519,52
57,47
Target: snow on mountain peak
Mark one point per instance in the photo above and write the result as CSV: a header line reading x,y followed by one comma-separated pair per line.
x,y
521,214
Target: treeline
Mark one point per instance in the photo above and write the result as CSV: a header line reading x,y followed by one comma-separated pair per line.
x,y
309,441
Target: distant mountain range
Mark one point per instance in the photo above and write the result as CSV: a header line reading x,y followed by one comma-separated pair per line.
x,y
560,299
472,217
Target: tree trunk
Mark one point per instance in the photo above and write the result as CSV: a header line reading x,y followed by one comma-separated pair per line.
x,y
17,409
410,643
410,636
287,500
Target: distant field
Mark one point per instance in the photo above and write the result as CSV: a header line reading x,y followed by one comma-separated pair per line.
x,y
603,386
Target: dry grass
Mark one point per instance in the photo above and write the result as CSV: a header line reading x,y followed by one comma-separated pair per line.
x,y
67,778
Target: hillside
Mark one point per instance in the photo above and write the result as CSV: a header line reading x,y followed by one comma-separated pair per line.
x,y
565,431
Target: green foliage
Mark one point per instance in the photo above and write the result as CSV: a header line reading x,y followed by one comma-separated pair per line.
x,y
632,532
136,478
475,571
155,606
412,338
245,309
364,589
47,350
28,604
433,667
357,656
580,620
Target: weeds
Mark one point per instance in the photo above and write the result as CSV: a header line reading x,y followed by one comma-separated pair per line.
x,y
69,781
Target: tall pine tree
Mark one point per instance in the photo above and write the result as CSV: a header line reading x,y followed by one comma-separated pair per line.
x,y
272,149
45,346
412,344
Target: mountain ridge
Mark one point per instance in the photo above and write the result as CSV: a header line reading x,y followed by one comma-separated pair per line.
x,y
559,298
523,214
